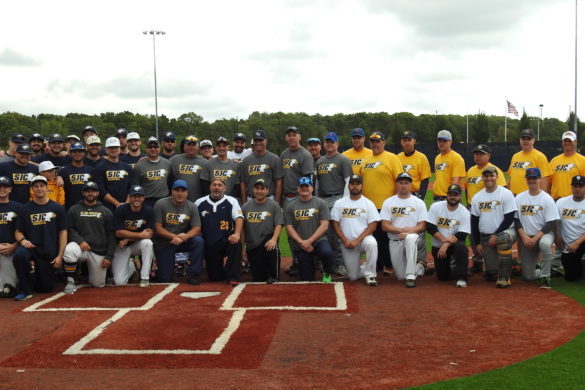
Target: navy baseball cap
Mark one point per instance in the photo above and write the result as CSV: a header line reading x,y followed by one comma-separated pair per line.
x,y
221,139
5,181
241,136
77,146
136,190
408,134
331,136
455,188
578,180
532,172
89,128
527,133
292,128
180,184
482,148
169,136
122,133
24,148
404,175
17,138
259,134
358,132
36,136
191,139
305,181
90,185
56,137
355,178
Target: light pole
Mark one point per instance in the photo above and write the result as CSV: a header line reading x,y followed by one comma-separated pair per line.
x,y
540,120
154,33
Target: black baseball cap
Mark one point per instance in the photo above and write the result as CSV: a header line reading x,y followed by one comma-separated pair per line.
x,y
56,137
17,138
259,134
578,180
355,178
89,128
90,185
5,181
24,148
404,175
408,134
121,132
36,136
241,136
527,133
482,148
169,136
455,188
292,128
136,190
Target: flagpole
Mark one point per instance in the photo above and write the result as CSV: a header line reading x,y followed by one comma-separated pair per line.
x,y
506,121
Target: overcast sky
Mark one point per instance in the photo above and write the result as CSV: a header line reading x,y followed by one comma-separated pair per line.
x,y
230,58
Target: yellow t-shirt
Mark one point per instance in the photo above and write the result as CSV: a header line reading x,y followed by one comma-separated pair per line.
x,y
379,177
447,166
563,169
521,161
474,184
416,165
357,158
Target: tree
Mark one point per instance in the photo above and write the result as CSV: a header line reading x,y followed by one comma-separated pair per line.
x,y
480,128
524,121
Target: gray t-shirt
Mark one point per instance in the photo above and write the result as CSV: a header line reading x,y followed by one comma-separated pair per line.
x,y
175,219
228,171
6,158
267,167
189,169
295,163
331,174
153,176
260,221
305,217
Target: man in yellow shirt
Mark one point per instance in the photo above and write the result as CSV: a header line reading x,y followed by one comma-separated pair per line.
x,y
449,166
379,172
528,157
415,164
358,152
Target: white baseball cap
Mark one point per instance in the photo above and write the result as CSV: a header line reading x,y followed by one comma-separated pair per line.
x,y
93,139
569,135
112,142
38,178
133,135
444,135
46,166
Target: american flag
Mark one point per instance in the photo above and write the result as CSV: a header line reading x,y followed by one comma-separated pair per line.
x,y
512,109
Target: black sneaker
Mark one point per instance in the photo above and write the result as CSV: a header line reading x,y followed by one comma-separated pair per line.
x,y
544,282
271,280
476,268
8,291
193,280
293,270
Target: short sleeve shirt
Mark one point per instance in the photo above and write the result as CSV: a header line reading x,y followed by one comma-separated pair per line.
x,y
174,218
534,211
295,163
448,222
474,183
267,167
403,213
356,158
520,162
447,166
305,217
354,216
491,207
379,173
416,165
572,218
260,221
331,174
563,169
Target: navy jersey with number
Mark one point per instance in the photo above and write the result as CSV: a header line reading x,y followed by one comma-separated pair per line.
x,y
217,217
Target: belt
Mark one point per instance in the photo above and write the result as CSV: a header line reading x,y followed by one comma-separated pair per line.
x,y
290,195
332,195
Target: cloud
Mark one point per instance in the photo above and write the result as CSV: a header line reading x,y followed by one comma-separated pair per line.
x,y
9,57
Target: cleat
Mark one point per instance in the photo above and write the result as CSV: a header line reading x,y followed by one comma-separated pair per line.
x,y
70,288
371,281
544,282
271,280
234,283
410,283
461,283
23,296
326,278
193,280
144,283
504,283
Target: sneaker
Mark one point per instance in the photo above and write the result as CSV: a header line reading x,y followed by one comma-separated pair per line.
x,y
70,288
371,281
23,296
504,283
341,270
144,283
410,283
193,280
476,268
557,270
234,283
8,291
491,276
461,283
326,278
544,282
419,269
293,270
387,271
271,280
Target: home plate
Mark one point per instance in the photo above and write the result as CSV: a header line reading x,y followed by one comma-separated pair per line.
x,y
196,295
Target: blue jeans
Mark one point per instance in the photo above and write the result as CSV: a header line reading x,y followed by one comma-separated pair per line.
x,y
323,250
166,258
42,280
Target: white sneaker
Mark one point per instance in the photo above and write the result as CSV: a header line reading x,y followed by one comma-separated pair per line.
x,y
70,288
144,283
420,269
461,283
371,281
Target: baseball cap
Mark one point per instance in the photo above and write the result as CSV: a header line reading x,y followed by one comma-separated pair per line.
x,y
377,135
331,136
38,178
205,143
489,169
292,128
569,135
358,132
72,137
5,181
454,188
482,148
24,148
408,134
77,146
240,136
259,134
221,139
36,136
169,136
17,138
260,182
122,133
152,140
527,133
46,166
136,190
180,184
191,139
313,140
89,128
90,185
404,175
532,172
93,139
132,135
56,137
305,181
578,180
444,135
112,142
354,178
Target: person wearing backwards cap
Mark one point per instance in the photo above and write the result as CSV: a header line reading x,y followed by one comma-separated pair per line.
x,y
449,166
190,167
113,176
134,154
20,172
153,173
358,151
54,192
169,141
10,211
415,164
448,223
42,236
528,157
403,219
570,229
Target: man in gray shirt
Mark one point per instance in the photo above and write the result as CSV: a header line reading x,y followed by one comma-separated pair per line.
x,y
263,220
224,168
13,142
153,173
296,162
189,166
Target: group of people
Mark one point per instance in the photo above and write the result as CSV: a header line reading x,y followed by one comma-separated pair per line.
x,y
356,213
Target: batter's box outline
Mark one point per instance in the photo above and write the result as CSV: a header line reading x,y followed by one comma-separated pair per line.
x,y
216,347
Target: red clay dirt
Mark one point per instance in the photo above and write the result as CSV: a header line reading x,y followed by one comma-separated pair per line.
x,y
388,337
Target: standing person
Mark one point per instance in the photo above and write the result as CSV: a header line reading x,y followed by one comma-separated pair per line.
x,y
225,169
113,176
177,228
403,219
134,154
91,239
75,175
206,149
70,140
13,142
355,219
169,143
570,230
221,226
314,147
93,146
36,142
87,132
296,162
415,164
449,223
307,220
42,236
20,172
10,212
261,164
190,167
153,173
239,151
263,220
54,154
122,135
134,228
379,172
534,222
492,218
449,166
528,157
358,151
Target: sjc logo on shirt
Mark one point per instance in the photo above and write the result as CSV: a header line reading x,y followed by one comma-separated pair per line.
x,y
447,223
488,206
441,166
42,218
564,167
156,174
257,169
289,163
133,225
372,165
79,178
400,212
257,216
5,218
521,164
348,212
305,214
176,219
116,175
530,209
571,213
188,169
326,168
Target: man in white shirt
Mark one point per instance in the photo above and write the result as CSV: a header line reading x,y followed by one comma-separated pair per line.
x,y
355,218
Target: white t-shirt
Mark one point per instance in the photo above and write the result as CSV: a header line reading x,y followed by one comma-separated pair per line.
x,y
354,216
239,156
403,212
448,222
535,211
572,218
491,207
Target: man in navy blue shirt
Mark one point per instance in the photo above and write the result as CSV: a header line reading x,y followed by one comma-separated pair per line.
x,y
54,155
10,211
113,176
75,175
20,172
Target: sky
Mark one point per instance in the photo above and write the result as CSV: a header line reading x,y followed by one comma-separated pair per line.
x,y
225,59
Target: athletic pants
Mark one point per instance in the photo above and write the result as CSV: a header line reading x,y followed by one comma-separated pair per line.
x,y
214,255
7,271
165,258
322,249
403,254
74,254
332,237
42,280
498,263
351,258
529,257
123,268
383,248
443,265
572,263
263,263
